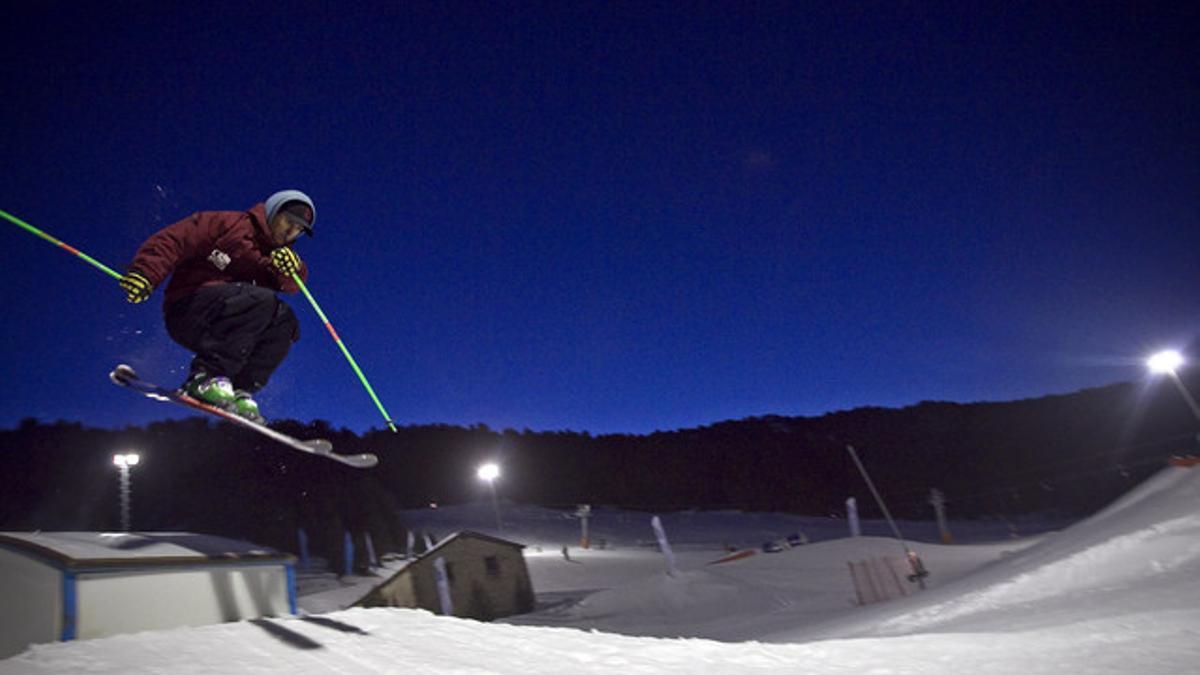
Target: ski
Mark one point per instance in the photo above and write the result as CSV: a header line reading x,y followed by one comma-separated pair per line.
x,y
126,377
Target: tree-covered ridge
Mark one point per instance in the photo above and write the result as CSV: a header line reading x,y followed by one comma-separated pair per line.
x,y
1068,454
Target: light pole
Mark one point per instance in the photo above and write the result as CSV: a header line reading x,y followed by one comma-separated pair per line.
x,y
490,472
1168,362
124,463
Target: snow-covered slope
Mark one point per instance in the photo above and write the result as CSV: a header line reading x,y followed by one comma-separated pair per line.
x,y
1136,563
1119,592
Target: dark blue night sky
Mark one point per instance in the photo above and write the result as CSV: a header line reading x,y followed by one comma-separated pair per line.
x,y
616,216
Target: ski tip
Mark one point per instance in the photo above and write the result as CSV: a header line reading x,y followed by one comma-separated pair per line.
x,y
121,374
363,461
323,448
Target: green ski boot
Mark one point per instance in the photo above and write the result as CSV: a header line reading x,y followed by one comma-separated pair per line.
x,y
216,391
245,406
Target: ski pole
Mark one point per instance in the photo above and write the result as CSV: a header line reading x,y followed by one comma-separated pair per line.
x,y
69,249
341,345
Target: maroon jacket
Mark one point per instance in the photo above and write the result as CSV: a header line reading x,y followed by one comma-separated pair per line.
x,y
213,247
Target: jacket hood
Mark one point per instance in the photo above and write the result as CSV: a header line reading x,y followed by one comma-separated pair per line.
x,y
258,216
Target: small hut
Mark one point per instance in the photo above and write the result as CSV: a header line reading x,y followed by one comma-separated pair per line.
x,y
69,585
486,578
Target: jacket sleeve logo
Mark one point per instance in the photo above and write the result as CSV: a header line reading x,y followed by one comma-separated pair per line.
x,y
221,260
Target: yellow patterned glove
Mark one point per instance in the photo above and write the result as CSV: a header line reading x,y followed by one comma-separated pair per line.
x,y
137,287
286,261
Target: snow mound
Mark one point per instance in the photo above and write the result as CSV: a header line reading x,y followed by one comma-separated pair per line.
x,y
392,641
1141,554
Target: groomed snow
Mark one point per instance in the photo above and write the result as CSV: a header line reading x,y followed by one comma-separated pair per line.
x,y
1116,593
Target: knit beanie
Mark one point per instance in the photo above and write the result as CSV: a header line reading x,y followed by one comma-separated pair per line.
x,y
295,202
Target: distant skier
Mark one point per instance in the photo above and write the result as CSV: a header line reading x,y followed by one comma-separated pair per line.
x,y
221,302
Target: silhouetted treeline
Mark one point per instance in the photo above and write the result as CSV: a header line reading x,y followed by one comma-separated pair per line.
x,y
1067,455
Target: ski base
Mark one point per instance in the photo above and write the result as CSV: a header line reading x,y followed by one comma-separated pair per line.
x,y
127,377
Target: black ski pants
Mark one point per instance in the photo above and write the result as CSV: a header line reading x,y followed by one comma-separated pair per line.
x,y
238,330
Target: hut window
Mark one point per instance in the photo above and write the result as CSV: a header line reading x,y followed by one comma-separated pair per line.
x,y
492,564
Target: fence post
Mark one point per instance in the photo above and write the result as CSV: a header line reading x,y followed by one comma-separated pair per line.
x,y
443,586
303,537
665,545
347,554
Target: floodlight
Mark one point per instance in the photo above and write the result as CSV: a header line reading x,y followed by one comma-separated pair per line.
x,y
1165,361
489,472
126,460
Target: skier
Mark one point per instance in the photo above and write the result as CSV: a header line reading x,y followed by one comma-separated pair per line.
x,y
221,302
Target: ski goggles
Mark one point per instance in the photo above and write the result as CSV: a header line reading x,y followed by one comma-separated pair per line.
x,y
298,224
299,215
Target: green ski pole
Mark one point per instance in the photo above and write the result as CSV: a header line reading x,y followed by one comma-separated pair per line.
x,y
69,249
341,345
